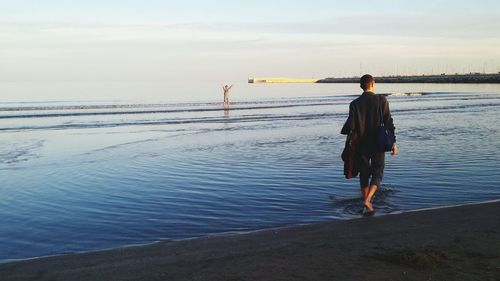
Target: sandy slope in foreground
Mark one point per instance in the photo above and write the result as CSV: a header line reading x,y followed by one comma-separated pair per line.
x,y
459,243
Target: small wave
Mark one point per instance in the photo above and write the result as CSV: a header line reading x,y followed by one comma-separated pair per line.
x,y
19,152
157,111
411,94
173,105
178,121
274,143
137,109
238,119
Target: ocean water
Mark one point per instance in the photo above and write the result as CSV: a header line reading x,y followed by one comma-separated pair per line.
x,y
79,175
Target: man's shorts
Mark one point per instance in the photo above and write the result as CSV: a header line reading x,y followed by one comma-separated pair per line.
x,y
371,165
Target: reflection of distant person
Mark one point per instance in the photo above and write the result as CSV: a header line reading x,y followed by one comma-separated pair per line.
x,y
365,113
226,89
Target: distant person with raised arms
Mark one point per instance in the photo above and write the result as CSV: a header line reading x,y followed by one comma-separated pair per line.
x,y
366,114
226,89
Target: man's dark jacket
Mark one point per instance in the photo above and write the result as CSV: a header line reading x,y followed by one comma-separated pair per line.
x,y
363,120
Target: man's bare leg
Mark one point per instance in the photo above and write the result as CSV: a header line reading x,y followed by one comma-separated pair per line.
x,y
365,191
368,199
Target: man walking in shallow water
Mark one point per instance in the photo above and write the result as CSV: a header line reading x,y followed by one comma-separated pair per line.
x,y
364,118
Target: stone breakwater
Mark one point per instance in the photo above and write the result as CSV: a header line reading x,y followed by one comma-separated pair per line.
x,y
471,78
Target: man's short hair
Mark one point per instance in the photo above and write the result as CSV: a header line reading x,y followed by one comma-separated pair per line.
x,y
365,81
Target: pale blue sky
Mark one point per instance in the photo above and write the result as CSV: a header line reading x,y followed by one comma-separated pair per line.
x,y
230,40
288,10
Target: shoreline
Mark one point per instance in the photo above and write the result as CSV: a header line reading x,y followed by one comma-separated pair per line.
x,y
432,242
235,233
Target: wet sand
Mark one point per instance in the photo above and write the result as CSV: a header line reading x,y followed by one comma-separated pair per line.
x,y
455,243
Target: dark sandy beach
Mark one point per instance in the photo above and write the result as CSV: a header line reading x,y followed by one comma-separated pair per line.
x,y
456,243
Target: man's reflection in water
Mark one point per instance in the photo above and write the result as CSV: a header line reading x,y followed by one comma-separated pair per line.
x,y
226,117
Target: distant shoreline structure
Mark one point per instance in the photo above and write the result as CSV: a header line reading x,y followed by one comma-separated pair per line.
x,y
470,78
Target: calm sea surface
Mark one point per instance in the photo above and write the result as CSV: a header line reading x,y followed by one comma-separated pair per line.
x,y
87,174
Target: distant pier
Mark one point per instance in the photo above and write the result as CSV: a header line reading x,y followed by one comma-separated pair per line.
x,y
281,80
470,78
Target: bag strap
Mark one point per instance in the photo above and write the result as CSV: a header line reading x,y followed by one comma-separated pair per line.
x,y
381,110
